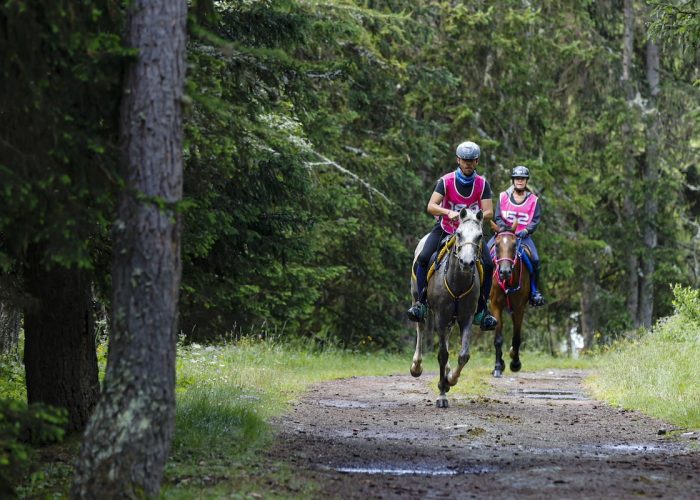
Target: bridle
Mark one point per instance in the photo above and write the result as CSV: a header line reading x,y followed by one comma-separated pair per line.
x,y
454,253
513,262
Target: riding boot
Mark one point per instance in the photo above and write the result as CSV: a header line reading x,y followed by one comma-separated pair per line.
x,y
418,310
536,299
483,316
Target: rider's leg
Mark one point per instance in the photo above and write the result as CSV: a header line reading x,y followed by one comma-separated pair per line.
x,y
419,308
483,316
422,281
536,297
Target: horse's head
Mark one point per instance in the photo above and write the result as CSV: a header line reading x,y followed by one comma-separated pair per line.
x,y
506,245
468,237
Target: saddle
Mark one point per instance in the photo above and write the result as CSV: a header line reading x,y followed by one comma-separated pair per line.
x,y
523,252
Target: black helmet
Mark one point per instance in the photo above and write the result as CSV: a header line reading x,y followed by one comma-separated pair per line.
x,y
521,172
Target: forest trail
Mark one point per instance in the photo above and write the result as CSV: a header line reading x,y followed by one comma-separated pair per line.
x,y
537,435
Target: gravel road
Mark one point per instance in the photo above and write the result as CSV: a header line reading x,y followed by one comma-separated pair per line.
x,y
537,435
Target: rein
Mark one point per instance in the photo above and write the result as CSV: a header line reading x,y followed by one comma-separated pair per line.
x,y
508,288
453,253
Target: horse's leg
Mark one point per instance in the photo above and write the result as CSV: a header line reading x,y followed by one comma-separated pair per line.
x,y
417,365
465,327
443,355
518,316
497,311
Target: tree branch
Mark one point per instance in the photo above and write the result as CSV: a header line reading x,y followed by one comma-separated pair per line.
x,y
327,161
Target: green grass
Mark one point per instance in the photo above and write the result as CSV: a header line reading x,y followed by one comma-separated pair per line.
x,y
226,396
658,374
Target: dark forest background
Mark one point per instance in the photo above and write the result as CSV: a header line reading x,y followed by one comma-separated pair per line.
x,y
315,132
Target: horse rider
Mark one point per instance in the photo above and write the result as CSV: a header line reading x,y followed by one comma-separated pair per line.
x,y
455,190
519,203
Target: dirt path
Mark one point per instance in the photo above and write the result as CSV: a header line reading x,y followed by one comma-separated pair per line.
x,y
537,436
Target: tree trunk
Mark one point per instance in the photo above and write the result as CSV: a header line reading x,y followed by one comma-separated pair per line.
x,y
629,209
10,318
59,343
588,315
651,179
128,439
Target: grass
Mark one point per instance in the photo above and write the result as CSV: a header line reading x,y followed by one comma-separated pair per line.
x,y
226,396
657,374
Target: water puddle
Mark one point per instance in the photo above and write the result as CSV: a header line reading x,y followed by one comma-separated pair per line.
x,y
413,472
342,403
632,448
551,394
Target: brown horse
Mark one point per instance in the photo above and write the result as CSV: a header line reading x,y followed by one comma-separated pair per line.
x,y
510,292
453,293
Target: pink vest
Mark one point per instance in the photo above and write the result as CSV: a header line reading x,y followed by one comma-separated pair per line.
x,y
456,202
523,213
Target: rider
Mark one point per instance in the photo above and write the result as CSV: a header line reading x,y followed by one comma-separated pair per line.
x,y
518,202
454,191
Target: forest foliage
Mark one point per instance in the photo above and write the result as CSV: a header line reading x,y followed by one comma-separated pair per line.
x,y
315,132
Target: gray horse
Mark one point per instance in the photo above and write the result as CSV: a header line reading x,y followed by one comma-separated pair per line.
x,y
453,293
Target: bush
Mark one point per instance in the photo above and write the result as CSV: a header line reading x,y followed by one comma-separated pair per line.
x,y
20,427
686,301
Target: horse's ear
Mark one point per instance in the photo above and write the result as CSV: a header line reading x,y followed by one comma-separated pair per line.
x,y
480,215
463,214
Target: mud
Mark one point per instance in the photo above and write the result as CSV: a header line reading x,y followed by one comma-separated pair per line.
x,y
537,435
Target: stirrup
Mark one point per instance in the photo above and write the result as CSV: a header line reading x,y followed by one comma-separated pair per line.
x,y
537,299
417,312
488,322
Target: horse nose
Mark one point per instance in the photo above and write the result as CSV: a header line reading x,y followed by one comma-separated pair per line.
x,y
504,273
466,262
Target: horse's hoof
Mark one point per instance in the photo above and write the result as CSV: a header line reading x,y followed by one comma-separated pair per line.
x,y
416,371
442,403
497,373
515,366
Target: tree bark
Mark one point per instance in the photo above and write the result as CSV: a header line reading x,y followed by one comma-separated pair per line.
x,y
128,439
589,319
10,318
629,209
651,179
59,345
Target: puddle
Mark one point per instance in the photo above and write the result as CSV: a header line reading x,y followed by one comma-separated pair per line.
x,y
343,403
632,448
550,394
413,472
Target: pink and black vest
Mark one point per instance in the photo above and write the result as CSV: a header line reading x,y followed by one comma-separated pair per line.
x,y
456,202
523,213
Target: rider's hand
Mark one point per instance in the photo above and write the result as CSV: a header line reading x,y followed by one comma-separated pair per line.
x,y
522,233
452,215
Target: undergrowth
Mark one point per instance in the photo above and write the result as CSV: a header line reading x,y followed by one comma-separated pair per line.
x,y
657,372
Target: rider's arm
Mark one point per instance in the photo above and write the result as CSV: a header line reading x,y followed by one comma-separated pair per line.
x,y
498,218
536,218
434,207
485,202
487,208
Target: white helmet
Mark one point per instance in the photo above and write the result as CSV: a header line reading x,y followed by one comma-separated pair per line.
x,y
468,151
